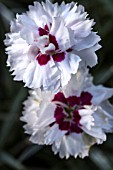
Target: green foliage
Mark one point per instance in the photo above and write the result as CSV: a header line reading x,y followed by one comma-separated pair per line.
x,y
16,152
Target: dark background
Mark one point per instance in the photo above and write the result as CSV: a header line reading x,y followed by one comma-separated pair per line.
x,y
16,152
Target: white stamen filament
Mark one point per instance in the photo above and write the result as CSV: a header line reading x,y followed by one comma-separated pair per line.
x,y
61,104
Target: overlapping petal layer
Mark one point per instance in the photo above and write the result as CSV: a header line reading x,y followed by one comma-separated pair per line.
x,y
71,120
48,44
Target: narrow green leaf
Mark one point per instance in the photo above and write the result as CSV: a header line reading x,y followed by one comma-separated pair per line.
x,y
100,159
104,75
11,3
9,160
13,114
6,14
108,4
29,152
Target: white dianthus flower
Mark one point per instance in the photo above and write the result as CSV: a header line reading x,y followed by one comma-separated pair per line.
x,y
72,120
47,43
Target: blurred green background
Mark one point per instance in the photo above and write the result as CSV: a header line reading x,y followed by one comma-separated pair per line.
x,y
16,152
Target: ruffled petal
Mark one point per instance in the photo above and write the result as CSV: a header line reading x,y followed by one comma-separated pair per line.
x,y
46,76
79,78
70,123
88,56
68,66
72,145
100,93
64,38
87,42
58,37
53,134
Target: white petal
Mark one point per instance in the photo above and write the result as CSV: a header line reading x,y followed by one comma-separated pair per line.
x,y
38,137
46,115
77,79
88,56
72,145
103,119
64,38
87,42
46,76
26,21
52,9
68,66
82,28
100,93
87,119
108,107
53,134
95,132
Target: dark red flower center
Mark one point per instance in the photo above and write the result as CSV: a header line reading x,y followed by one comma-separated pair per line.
x,y
56,54
67,111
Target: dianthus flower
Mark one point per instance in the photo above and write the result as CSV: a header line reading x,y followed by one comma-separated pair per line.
x,y
72,120
47,43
